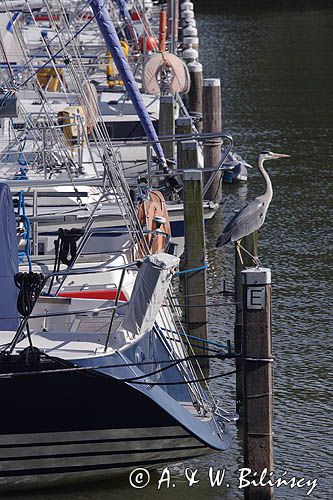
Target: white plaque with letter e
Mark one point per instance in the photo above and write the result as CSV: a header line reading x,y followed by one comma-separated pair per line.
x,y
255,280
255,298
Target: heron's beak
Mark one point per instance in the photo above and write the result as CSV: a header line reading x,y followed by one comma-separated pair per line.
x,y
280,155
247,165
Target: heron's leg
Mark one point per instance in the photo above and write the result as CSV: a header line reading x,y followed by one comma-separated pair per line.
x,y
255,259
238,248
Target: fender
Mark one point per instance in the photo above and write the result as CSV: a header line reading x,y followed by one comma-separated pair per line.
x,y
111,69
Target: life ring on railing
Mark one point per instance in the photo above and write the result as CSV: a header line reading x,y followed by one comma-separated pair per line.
x,y
112,70
180,79
150,207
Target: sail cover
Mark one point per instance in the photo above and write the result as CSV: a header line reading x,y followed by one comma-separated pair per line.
x,y
112,41
151,286
124,10
9,317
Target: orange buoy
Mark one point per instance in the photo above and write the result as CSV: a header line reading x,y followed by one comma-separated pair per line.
x,y
147,43
135,16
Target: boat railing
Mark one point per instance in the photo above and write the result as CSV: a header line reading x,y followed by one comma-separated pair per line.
x,y
90,233
45,139
103,268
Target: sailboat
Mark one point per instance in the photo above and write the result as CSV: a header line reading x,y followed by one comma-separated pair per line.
x,y
97,375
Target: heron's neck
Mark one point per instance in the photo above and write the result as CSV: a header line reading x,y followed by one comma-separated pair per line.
x,y
268,184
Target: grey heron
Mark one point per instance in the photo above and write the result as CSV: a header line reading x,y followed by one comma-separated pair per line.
x,y
251,217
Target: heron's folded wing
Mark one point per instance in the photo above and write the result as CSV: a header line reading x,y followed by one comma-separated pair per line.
x,y
225,237
248,220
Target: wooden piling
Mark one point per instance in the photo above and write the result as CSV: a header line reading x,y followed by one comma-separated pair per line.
x,y
250,243
187,157
212,122
167,124
257,380
194,97
183,127
195,286
188,154
173,21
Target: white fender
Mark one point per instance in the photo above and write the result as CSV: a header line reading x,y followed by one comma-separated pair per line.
x,y
180,81
89,103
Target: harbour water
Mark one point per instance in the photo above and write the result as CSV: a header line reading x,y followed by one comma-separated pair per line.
x,y
277,78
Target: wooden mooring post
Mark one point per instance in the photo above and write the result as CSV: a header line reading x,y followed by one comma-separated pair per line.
x,y
167,125
194,277
250,243
194,97
257,381
212,122
173,21
183,127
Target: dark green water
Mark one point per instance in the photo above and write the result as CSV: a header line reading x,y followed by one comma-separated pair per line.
x,y
277,77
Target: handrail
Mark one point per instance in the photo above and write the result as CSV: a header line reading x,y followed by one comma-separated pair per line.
x,y
101,268
78,311
142,140
114,310
218,168
91,270
88,234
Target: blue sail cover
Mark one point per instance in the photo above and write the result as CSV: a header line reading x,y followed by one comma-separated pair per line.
x,y
9,318
124,10
112,41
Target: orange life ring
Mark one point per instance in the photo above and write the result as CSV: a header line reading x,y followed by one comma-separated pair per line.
x,y
147,210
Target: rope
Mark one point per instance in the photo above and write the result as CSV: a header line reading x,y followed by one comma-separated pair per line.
x,y
206,341
21,174
30,285
194,381
203,348
26,234
135,380
120,365
67,244
193,269
65,249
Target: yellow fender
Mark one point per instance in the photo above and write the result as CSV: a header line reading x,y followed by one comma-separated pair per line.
x,y
49,78
111,69
67,118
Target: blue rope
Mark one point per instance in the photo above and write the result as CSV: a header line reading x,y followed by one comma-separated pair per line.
x,y
26,234
222,346
206,341
21,175
201,268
